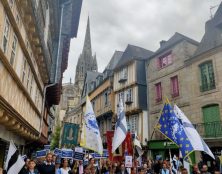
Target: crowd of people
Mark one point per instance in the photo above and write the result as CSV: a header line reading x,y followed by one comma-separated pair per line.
x,y
52,164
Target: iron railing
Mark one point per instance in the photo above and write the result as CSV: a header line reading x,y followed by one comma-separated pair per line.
x,y
210,129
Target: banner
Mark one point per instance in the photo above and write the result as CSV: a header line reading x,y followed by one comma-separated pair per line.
x,y
47,147
67,153
58,152
41,153
70,134
98,156
78,156
124,149
128,161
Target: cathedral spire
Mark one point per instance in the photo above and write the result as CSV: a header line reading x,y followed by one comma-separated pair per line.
x,y
87,42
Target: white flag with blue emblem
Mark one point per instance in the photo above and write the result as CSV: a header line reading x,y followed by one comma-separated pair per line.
x,y
192,134
90,137
121,128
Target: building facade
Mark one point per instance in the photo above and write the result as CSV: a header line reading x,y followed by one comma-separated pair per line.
x,y
206,67
27,50
103,99
130,85
168,77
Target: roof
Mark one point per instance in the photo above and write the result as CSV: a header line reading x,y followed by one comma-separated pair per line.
x,y
133,52
175,39
213,33
91,76
114,60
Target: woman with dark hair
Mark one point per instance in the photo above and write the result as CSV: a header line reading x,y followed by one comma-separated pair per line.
x,y
65,169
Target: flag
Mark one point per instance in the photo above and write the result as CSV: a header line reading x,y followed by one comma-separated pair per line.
x,y
125,147
70,134
137,145
169,125
90,138
120,129
14,161
197,142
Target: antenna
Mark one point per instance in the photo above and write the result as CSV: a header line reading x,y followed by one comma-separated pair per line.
x,y
211,9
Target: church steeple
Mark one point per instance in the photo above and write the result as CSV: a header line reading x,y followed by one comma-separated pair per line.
x,y
87,43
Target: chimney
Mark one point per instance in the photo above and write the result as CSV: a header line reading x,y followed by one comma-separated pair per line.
x,y
162,42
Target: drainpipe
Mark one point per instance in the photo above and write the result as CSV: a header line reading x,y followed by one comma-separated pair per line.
x,y
57,62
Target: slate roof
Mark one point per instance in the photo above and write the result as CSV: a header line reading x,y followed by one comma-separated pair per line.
x,y
114,60
213,33
133,52
175,39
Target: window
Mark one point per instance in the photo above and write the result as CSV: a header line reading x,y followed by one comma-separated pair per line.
x,y
129,95
106,98
6,35
207,76
121,96
132,123
164,60
212,121
123,75
158,92
13,53
174,86
24,70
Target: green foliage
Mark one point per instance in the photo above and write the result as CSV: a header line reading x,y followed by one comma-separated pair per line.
x,y
56,137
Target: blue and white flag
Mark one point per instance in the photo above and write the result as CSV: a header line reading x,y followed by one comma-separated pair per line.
x,y
90,137
121,128
170,126
196,141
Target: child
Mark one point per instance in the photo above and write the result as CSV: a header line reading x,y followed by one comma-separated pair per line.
x,y
31,167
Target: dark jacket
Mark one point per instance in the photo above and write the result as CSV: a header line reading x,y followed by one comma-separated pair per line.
x,y
35,171
46,169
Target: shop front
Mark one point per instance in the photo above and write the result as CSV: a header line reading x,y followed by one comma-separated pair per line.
x,y
160,149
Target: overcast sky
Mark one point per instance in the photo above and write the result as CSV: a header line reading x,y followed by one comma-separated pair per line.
x,y
144,23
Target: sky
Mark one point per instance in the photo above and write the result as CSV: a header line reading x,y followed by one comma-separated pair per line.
x,y
116,23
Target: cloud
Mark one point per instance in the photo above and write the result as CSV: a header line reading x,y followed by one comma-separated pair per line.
x,y
116,23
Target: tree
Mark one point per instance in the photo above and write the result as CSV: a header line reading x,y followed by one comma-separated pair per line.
x,y
56,137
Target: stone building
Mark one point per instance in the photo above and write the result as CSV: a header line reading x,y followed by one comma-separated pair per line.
x,y
129,84
206,69
29,40
188,73
167,77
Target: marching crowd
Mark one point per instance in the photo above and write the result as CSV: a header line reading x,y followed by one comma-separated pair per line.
x,y
54,165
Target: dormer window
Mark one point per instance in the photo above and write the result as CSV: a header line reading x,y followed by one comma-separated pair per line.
x,y
164,60
123,75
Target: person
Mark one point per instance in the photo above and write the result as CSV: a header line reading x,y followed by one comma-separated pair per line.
x,y
57,165
184,171
164,169
25,167
204,169
122,169
54,159
157,166
133,170
201,163
195,169
141,170
217,172
1,170
87,169
31,168
80,167
47,167
149,169
65,169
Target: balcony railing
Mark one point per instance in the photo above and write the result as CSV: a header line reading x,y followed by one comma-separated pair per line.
x,y
209,130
